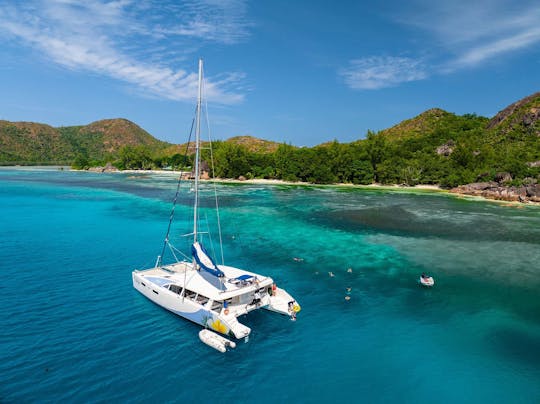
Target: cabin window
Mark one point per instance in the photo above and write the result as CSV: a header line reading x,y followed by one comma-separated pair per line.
x,y
190,295
142,283
216,306
202,299
176,289
246,298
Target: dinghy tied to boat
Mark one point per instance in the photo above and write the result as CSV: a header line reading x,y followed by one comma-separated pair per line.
x,y
216,341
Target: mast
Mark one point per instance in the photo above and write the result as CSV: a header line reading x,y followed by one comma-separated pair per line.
x,y
197,153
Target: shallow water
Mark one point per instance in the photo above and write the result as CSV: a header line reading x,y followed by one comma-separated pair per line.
x,y
73,327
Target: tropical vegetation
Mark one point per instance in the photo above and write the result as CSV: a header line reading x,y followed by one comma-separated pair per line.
x,y
436,147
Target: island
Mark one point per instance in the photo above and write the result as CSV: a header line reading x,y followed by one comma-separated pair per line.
x,y
497,158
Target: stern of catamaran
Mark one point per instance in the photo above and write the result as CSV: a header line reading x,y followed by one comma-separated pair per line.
x,y
283,303
236,328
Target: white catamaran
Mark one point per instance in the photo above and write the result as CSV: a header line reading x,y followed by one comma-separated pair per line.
x,y
199,289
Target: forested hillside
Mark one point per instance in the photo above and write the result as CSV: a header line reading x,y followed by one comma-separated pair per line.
x,y
101,141
435,147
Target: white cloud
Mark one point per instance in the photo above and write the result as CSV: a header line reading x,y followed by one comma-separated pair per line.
x,y
473,33
491,49
382,71
461,34
211,20
109,38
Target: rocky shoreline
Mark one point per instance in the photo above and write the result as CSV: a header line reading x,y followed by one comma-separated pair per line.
x,y
494,190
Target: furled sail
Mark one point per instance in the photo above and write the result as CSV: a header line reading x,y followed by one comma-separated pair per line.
x,y
203,259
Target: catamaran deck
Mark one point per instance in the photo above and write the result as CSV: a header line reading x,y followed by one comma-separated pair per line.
x,y
183,274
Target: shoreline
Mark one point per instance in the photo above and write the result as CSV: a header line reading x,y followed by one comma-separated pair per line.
x,y
428,188
265,181
420,188
393,187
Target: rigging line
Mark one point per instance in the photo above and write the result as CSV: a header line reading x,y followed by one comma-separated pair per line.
x,y
172,252
176,194
178,251
214,181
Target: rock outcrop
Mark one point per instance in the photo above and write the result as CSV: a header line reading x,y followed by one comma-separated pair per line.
x,y
446,149
494,190
524,113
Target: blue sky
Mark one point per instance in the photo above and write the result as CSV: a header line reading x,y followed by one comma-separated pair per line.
x,y
301,72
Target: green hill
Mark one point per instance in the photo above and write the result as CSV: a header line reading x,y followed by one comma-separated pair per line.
x,y
253,144
435,147
36,143
515,131
439,147
27,142
424,124
522,116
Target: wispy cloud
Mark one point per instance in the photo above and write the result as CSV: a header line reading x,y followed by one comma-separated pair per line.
x,y
473,33
483,52
376,72
109,38
221,21
455,35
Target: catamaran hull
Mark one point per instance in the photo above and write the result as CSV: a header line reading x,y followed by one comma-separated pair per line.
x,y
283,303
183,307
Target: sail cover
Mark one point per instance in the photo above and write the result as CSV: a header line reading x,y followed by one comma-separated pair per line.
x,y
204,260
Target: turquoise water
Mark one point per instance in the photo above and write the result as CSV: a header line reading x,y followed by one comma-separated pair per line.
x,y
74,329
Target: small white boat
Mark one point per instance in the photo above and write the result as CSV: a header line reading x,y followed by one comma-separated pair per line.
x,y
426,281
216,341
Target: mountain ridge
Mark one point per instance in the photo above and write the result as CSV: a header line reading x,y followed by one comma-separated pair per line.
x,y
34,142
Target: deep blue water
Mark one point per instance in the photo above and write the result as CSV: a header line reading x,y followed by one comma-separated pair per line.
x,y
74,329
